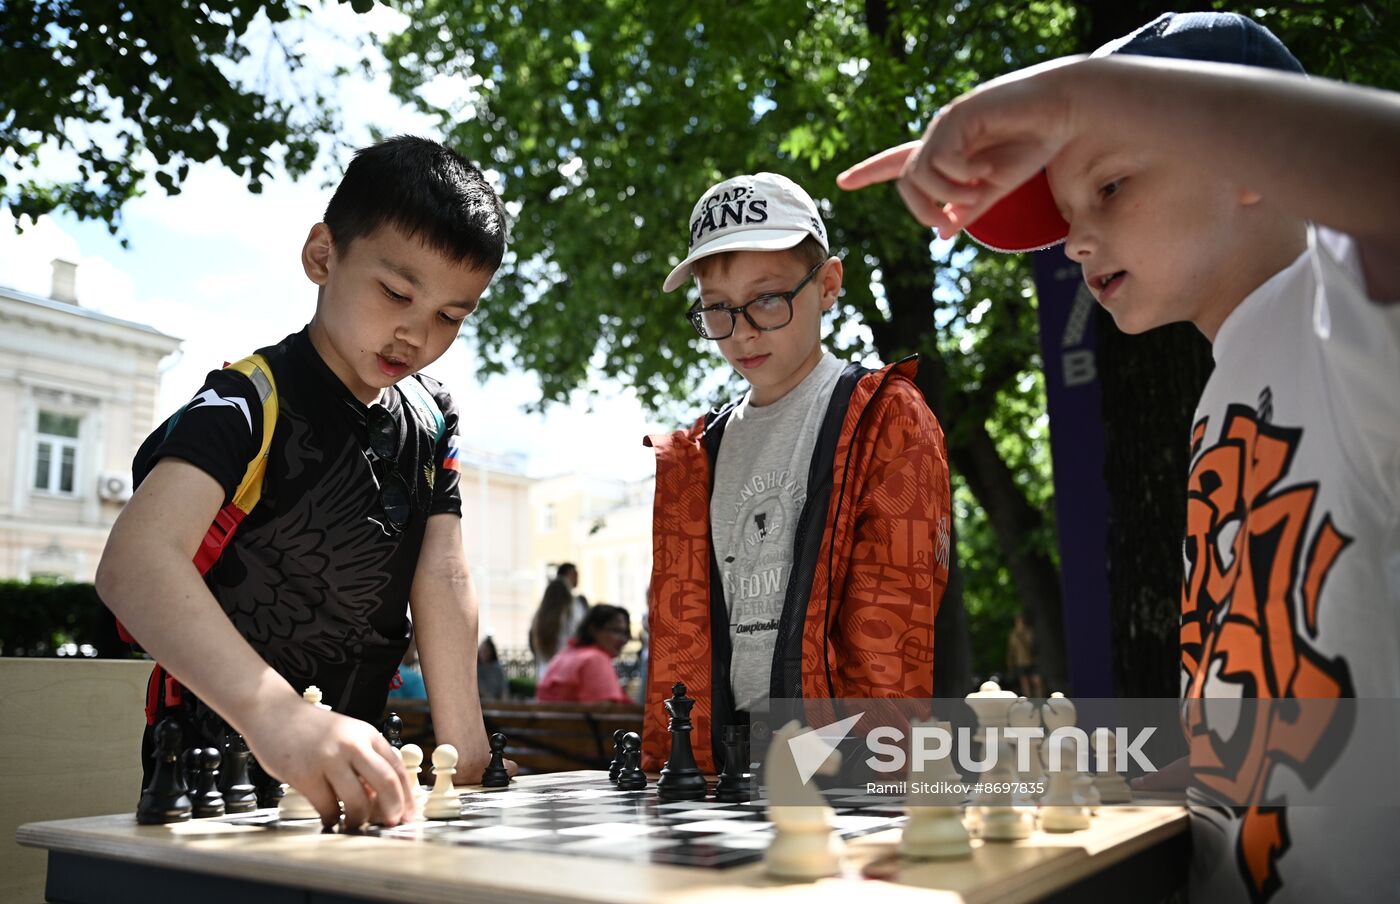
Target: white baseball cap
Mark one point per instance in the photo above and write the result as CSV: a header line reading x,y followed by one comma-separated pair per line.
x,y
762,212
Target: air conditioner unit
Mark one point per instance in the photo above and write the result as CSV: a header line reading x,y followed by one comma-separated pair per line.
x,y
114,487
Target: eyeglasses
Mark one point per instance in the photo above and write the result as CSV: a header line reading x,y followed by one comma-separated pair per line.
x,y
394,494
766,312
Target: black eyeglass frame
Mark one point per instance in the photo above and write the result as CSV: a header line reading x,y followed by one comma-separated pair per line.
x,y
395,495
697,312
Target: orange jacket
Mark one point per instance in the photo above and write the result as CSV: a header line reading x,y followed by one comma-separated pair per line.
x,y
863,591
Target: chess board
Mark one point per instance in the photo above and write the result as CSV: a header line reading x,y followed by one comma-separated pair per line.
x,y
591,818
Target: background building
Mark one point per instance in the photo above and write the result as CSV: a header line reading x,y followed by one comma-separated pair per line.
x,y
78,394
496,533
603,526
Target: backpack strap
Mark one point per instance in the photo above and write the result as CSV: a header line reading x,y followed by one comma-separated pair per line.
x,y
249,491
163,690
423,405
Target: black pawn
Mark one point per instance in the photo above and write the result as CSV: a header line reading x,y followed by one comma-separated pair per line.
x,y
615,767
189,764
631,777
393,731
165,799
680,778
735,782
496,775
239,794
206,797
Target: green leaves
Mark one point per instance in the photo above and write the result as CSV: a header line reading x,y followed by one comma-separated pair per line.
x,y
138,88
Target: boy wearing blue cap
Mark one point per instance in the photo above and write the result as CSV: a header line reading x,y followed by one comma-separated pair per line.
x,y
1218,185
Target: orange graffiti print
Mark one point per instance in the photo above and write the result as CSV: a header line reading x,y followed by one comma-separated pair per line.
x,y
1257,557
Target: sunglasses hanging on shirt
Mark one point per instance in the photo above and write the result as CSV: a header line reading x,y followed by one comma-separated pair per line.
x,y
394,494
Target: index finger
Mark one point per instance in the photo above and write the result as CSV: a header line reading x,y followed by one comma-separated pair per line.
x,y
385,776
882,167
395,760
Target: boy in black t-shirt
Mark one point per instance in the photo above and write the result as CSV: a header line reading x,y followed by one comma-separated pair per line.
x,y
359,516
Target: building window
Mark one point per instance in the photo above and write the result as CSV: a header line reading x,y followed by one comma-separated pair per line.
x,y
56,453
547,521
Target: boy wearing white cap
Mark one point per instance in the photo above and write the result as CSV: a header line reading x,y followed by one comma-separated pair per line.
x,y
801,533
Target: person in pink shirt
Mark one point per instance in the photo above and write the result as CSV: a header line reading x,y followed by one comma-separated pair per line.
x,y
583,671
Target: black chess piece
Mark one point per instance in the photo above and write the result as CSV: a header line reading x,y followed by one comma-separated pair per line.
x,y
266,789
496,775
680,778
189,765
239,794
166,798
615,767
735,783
205,795
393,731
631,777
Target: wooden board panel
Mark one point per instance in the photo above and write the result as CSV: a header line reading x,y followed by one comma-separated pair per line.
x,y
70,746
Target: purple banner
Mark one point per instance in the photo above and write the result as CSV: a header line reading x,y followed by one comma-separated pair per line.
x,y
1069,348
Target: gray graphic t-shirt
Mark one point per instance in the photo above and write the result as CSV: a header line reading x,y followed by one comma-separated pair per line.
x,y
760,486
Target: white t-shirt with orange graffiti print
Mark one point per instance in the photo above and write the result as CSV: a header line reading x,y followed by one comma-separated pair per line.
x,y
1292,554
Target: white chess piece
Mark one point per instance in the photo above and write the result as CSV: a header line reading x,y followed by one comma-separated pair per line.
x,y
934,829
1025,714
992,705
1061,809
1000,820
443,802
1059,712
412,756
1109,782
804,847
294,804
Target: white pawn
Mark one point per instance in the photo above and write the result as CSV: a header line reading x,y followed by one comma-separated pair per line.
x,y
412,756
294,804
443,802
934,830
1086,791
1057,712
1108,781
1000,820
804,846
1025,714
1061,809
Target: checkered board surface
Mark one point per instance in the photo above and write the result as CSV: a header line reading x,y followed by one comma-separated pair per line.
x,y
592,818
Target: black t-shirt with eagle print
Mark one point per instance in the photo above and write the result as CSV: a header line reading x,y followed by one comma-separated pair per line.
x,y
315,578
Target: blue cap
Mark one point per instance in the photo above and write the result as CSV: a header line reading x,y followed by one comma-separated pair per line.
x,y
1208,37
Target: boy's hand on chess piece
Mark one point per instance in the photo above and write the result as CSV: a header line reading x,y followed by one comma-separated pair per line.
x,y
328,758
979,147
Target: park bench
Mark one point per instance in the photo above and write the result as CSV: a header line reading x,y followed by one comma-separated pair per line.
x,y
541,737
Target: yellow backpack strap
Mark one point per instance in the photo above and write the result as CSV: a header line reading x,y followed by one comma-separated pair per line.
x,y
256,369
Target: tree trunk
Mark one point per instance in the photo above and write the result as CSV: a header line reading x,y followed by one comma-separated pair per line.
x,y
1150,385
952,647
973,454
